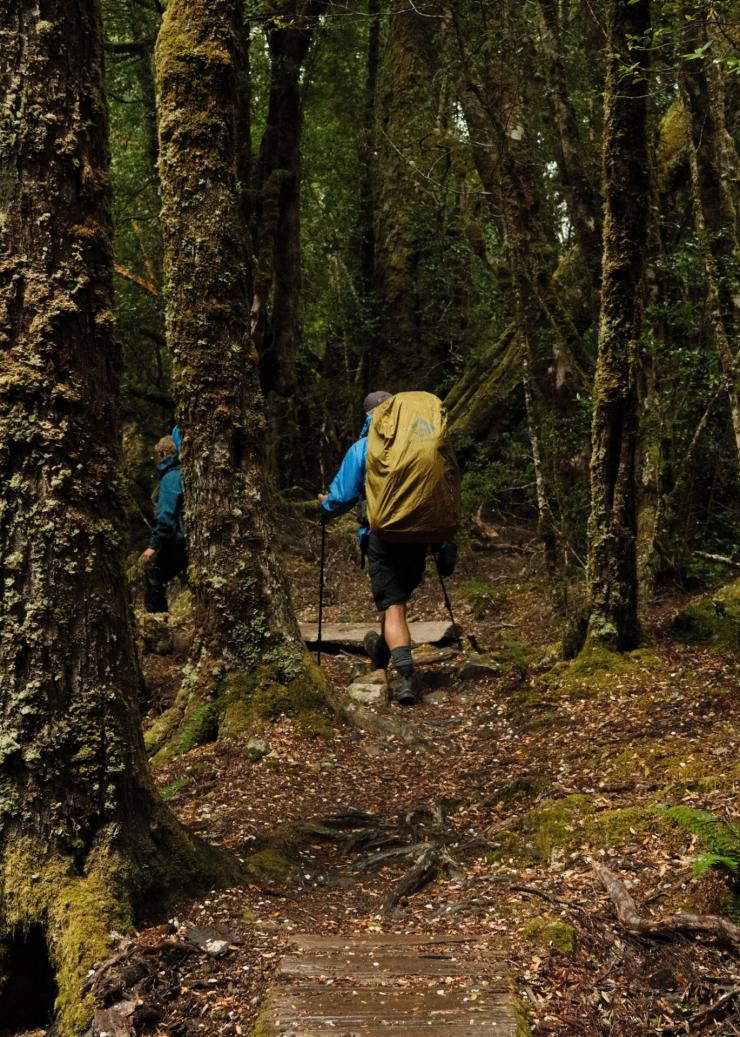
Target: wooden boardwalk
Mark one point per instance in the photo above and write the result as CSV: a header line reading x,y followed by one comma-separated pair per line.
x,y
415,986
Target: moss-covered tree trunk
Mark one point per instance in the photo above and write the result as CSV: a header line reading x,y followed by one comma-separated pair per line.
x,y
249,651
276,210
715,218
612,562
410,354
83,834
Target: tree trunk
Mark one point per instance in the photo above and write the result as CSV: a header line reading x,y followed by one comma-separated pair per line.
x,y
82,832
700,80
366,223
612,563
276,326
250,659
578,181
411,355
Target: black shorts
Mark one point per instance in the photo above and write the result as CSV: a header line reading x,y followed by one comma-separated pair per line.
x,y
396,570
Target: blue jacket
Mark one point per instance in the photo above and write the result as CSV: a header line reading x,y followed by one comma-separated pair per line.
x,y
170,504
177,438
348,485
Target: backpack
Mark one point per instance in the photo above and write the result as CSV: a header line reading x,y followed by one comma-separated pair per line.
x,y
412,482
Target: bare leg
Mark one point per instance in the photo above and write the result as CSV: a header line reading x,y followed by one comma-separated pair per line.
x,y
394,627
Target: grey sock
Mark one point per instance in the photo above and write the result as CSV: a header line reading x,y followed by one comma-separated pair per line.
x,y
402,660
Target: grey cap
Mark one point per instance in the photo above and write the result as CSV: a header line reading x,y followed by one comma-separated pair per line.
x,y
373,399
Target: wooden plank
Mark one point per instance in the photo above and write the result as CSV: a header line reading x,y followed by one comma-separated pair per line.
x,y
410,985
313,1010
365,967
309,941
351,635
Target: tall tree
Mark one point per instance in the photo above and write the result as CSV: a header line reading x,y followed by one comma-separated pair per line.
x,y
715,218
83,834
407,109
612,562
249,650
276,197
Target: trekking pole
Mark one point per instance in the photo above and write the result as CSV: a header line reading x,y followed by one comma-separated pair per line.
x,y
448,605
321,585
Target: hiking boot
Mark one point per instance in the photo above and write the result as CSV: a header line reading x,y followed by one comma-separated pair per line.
x,y
404,691
377,649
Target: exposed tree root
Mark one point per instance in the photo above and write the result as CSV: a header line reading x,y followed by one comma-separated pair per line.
x,y
627,913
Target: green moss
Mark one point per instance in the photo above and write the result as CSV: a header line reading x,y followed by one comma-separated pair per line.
x,y
78,913
714,620
672,148
250,698
547,931
571,822
274,865
595,669
263,1026
521,1014
168,792
201,726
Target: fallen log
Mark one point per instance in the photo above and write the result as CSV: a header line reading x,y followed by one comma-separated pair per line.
x,y
627,913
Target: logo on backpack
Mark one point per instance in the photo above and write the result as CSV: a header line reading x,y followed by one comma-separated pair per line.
x,y
422,431
412,482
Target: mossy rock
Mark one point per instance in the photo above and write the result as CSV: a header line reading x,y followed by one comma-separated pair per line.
x,y
548,932
248,699
713,620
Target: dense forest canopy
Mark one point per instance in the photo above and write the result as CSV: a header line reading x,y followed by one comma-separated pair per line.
x,y
436,184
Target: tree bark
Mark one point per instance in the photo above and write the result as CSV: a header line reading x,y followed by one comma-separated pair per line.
x,y
411,355
612,562
82,832
276,224
249,655
700,80
577,180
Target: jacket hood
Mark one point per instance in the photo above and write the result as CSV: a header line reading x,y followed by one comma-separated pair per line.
x,y
366,426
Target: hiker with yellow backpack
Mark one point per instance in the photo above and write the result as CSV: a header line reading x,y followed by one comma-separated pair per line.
x,y
404,468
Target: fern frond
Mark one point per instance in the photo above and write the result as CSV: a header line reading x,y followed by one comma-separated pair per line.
x,y
704,861
721,838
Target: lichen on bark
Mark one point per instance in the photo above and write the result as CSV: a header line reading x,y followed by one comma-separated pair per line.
x,y
612,561
84,837
243,612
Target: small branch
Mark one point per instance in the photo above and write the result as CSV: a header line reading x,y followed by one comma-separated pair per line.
x,y
148,286
628,915
722,559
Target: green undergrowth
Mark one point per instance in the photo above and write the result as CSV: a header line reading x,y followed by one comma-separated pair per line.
x,y
712,620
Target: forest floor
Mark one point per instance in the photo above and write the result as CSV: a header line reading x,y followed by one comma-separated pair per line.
x,y
521,780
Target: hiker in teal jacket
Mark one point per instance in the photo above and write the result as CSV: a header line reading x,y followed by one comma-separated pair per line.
x,y
166,555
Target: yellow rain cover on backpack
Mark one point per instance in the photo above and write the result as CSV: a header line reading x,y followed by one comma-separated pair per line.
x,y
412,481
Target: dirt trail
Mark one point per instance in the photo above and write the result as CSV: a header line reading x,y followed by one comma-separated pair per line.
x,y
528,775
